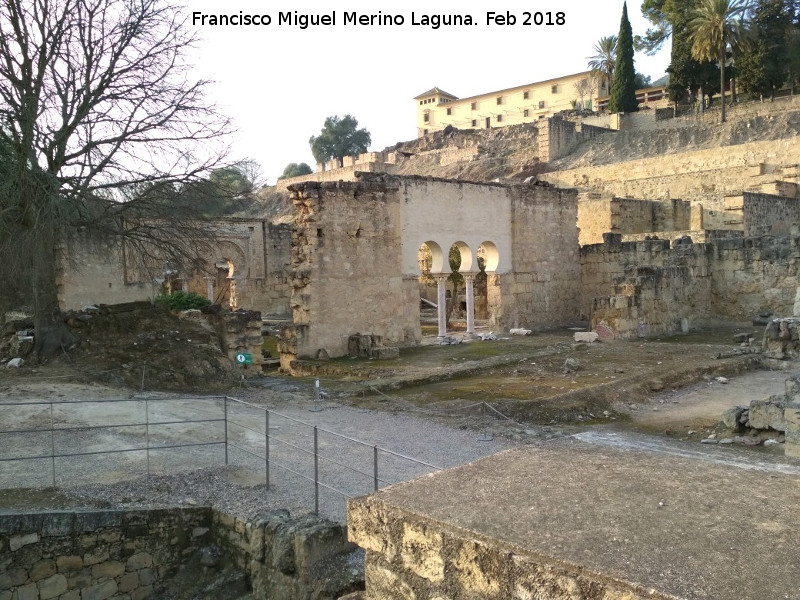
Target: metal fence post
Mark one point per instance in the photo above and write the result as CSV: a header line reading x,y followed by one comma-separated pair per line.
x,y
266,445
52,445
316,473
375,468
225,419
147,431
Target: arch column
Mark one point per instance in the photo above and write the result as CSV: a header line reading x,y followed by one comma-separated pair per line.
x,y
469,279
441,302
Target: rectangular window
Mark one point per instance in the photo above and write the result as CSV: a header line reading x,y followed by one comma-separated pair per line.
x,y
474,106
541,103
499,100
474,122
554,89
525,95
526,113
499,118
426,117
449,111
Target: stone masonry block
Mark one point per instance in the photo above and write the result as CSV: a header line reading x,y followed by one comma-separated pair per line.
x,y
52,587
18,541
28,592
101,591
421,551
109,569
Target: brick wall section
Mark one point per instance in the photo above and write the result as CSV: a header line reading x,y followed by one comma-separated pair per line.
x,y
94,555
769,214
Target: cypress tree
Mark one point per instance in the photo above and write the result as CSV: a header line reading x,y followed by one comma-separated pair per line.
x,y
623,88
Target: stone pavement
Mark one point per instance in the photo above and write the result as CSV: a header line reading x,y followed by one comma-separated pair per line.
x,y
573,520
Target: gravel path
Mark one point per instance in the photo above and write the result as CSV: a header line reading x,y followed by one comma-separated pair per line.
x,y
197,475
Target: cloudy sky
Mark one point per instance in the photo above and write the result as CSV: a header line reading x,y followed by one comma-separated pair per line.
x,y
279,81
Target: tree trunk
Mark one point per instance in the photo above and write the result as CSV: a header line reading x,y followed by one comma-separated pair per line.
x,y
51,334
722,78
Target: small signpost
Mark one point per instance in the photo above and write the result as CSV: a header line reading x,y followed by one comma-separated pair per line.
x,y
316,407
243,358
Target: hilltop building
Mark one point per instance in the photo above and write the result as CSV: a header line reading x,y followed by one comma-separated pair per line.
x,y
436,109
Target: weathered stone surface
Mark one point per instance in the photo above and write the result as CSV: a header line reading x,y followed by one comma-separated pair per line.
x,y
28,592
42,569
586,336
792,418
128,582
101,591
69,564
18,541
731,417
52,586
767,414
138,561
110,568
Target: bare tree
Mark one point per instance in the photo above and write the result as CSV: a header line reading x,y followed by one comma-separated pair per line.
x,y
102,124
583,89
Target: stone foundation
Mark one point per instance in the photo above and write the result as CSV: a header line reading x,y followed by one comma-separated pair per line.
x,y
141,554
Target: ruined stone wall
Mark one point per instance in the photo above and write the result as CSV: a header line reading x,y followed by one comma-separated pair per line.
x,y
769,214
651,301
346,267
108,273
97,273
543,287
699,176
97,554
594,219
627,215
136,554
731,279
558,137
754,274
409,556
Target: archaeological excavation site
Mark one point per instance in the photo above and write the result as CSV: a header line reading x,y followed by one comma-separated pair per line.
x,y
555,360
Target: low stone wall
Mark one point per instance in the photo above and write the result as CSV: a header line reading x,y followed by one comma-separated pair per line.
x,y
731,278
135,555
94,555
651,302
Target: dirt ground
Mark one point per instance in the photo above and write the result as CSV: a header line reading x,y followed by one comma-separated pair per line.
x,y
540,380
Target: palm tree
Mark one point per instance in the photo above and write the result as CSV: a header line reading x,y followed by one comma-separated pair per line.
x,y
605,58
715,24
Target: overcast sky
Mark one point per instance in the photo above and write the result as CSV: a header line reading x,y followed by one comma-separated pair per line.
x,y
279,82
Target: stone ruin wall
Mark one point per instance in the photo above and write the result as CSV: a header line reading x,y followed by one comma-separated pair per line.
x,y
346,269
104,273
700,176
134,554
558,137
91,555
629,216
647,281
542,288
768,214
355,256
409,556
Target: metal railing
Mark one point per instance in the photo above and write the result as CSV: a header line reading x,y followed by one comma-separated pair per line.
x,y
150,432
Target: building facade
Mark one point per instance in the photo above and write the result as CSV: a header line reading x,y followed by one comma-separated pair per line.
x,y
436,109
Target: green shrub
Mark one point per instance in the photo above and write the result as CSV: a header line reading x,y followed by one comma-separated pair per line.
x,y
183,300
